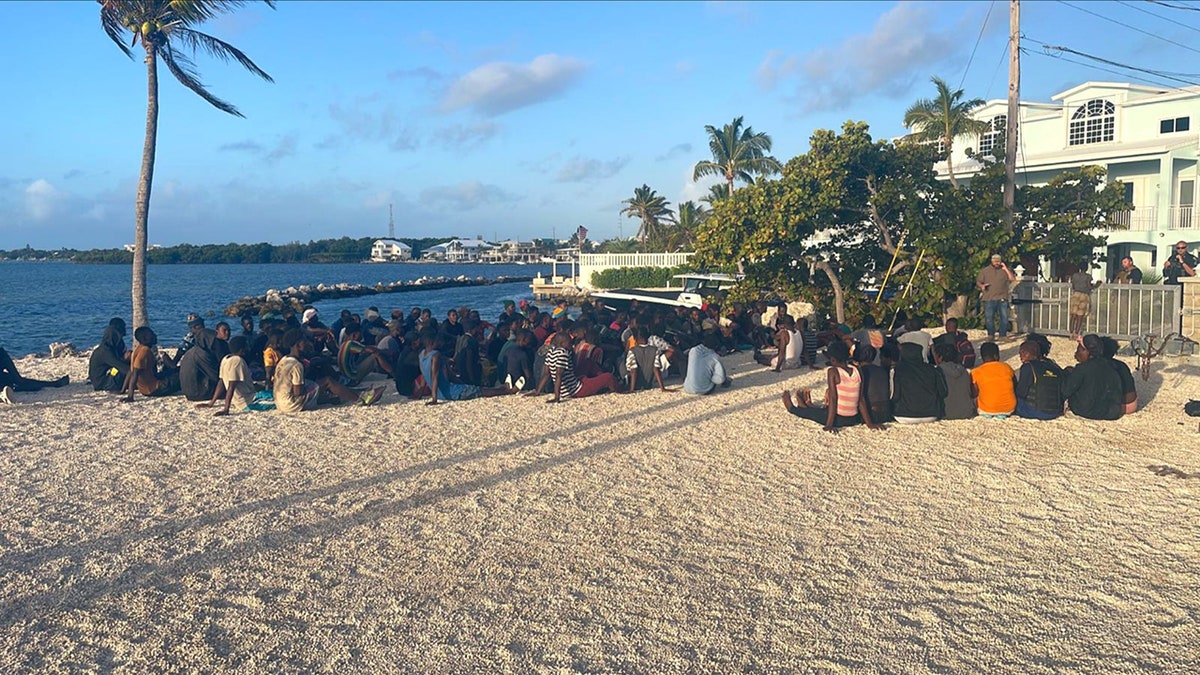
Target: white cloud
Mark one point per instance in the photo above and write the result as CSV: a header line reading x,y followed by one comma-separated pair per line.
x,y
43,200
464,196
674,152
500,87
903,47
581,169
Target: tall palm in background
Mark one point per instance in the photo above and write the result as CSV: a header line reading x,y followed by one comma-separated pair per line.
x,y
738,154
690,216
651,208
716,193
165,29
944,118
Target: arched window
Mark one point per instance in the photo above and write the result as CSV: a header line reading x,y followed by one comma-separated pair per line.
x,y
1093,122
989,139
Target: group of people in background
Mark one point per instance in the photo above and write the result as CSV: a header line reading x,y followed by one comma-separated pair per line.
x,y
911,377
296,362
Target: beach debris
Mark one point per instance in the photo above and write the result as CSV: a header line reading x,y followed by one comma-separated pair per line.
x,y
60,349
1164,470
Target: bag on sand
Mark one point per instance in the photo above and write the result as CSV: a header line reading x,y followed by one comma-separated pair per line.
x,y
1192,408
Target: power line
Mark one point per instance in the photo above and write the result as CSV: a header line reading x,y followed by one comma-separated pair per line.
x,y
996,71
977,40
1093,66
1133,28
1171,6
1168,75
1160,16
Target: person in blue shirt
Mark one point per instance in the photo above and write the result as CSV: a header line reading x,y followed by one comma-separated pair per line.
x,y
705,372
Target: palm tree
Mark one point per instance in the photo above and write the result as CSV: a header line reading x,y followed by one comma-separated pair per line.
x,y
651,208
716,193
738,154
166,28
689,219
944,119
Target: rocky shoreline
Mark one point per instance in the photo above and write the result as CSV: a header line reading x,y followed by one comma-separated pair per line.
x,y
296,297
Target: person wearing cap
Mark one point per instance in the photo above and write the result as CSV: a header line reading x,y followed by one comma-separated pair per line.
x,y
322,338
993,283
374,327
195,324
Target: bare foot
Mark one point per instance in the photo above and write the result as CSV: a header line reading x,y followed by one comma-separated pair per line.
x,y
787,402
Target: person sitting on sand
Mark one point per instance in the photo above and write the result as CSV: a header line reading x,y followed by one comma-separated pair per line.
x,y
374,328
869,335
560,369
959,403
876,382
433,369
1039,385
294,393
468,366
194,325
918,388
705,372
236,386
1128,386
1093,387
339,324
993,382
356,360
915,332
844,404
11,379
645,360
452,326
108,366
787,345
272,354
518,361
961,342
319,335
200,367
144,377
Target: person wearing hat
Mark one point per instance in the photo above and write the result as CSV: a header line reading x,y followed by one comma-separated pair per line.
x,y
993,283
374,327
195,324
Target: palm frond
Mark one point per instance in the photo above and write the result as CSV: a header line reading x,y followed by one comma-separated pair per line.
x,y
114,27
184,70
197,41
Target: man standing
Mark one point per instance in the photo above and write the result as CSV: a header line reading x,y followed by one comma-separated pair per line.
x,y
1081,298
993,282
1129,273
1179,264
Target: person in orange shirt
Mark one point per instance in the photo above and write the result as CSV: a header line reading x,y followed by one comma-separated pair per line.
x,y
993,384
144,376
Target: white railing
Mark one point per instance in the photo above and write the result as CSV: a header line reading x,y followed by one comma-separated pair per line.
x,y
590,263
1181,218
1140,219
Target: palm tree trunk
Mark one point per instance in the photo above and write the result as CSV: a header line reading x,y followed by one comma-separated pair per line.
x,y
950,164
142,210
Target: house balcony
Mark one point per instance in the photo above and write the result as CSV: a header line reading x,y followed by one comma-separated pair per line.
x,y
1140,219
1182,218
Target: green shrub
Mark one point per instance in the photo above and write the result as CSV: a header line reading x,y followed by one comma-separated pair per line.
x,y
634,277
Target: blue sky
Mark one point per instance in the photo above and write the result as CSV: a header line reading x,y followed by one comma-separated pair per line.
x,y
494,119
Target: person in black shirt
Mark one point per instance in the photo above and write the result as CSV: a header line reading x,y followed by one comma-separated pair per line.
x,y
1128,386
1039,384
1179,264
1093,388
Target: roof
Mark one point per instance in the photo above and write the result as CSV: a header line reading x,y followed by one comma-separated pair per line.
x,y
393,242
1077,155
1109,86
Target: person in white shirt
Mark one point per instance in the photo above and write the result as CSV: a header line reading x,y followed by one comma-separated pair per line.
x,y
704,368
915,333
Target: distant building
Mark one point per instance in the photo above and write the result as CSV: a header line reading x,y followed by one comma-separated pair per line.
x,y
458,250
149,247
390,250
1142,135
513,251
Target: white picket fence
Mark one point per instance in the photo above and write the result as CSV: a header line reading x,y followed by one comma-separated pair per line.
x,y
590,263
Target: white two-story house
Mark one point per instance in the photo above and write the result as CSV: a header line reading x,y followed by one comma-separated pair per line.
x,y
390,250
1147,138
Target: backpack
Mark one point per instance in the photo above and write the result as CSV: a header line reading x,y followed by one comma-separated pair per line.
x,y
1192,408
965,350
1047,386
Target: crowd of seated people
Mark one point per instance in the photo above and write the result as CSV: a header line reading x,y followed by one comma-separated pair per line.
x,y
909,377
294,361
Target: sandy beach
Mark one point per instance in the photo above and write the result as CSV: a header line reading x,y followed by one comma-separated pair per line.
x,y
649,533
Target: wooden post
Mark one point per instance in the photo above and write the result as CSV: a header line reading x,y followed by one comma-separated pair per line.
x,y
1010,127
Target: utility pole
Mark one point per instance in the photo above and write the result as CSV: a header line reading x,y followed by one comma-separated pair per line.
x,y
1014,111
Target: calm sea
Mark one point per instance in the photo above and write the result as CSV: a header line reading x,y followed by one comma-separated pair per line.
x,y
42,303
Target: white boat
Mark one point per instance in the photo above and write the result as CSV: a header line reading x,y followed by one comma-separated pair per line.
x,y
694,290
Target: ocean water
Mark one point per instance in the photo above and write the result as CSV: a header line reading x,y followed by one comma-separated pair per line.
x,y
42,303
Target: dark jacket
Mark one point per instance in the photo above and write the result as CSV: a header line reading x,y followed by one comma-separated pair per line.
x,y
200,367
107,355
1093,390
918,388
959,404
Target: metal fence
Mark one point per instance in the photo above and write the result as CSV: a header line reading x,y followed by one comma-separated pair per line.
x,y
1122,311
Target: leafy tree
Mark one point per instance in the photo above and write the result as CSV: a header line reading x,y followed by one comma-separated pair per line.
x,y
619,246
716,192
166,30
737,154
652,209
943,119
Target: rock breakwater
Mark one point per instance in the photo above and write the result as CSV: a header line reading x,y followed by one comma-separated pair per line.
x,y
296,297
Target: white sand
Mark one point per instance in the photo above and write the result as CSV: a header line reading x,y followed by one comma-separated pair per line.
x,y
654,533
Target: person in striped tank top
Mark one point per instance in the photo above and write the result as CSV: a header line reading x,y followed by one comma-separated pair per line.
x,y
844,403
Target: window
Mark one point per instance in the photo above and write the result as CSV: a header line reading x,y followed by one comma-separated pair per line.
x,y
1093,122
1174,125
989,139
